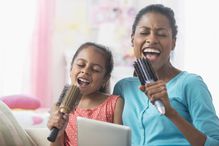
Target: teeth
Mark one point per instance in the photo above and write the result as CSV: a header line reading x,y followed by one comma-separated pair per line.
x,y
83,80
151,51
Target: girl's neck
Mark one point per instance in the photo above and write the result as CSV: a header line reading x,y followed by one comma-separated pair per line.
x,y
92,100
92,95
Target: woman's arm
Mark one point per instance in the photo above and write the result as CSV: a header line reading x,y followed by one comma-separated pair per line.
x,y
195,137
158,90
118,111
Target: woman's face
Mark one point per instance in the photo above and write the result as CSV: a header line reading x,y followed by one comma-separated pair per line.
x,y
88,70
153,39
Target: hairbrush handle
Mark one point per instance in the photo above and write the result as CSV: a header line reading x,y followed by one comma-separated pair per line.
x,y
160,107
69,101
53,134
146,74
54,131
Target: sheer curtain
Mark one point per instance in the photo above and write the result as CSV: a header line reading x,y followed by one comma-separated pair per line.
x,y
42,52
26,29
17,22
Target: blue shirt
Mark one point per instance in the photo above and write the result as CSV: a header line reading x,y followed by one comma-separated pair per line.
x,y
188,95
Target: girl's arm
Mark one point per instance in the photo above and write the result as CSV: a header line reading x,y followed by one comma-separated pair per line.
x,y
59,141
118,111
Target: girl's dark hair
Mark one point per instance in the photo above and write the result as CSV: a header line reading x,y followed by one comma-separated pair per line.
x,y
107,55
161,9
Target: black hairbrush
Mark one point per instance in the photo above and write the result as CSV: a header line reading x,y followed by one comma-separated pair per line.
x,y
146,74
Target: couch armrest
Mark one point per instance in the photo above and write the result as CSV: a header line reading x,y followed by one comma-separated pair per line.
x,y
39,135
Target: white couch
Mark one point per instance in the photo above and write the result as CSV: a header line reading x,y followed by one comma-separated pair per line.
x,y
39,135
13,134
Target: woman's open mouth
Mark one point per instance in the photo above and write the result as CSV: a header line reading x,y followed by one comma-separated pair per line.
x,y
151,54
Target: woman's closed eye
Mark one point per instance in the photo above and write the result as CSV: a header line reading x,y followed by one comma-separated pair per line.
x,y
144,33
162,34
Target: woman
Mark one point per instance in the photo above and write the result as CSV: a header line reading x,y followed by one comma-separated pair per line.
x,y
190,117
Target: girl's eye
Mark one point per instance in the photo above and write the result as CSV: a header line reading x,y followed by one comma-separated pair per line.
x,y
80,65
97,69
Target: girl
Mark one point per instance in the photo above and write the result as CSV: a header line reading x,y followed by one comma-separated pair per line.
x,y
91,67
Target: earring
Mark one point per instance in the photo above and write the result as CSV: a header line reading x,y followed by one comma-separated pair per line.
x,y
172,55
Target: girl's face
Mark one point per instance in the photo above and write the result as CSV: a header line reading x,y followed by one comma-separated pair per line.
x,y
153,39
88,70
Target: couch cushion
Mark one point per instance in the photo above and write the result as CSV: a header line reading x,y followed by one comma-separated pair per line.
x,y
11,133
39,135
21,101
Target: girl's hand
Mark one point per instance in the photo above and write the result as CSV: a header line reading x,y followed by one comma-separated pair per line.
x,y
157,91
58,120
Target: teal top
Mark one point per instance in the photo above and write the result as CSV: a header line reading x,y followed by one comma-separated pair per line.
x,y
188,95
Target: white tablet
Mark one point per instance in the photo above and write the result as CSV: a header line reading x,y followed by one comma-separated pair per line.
x,y
99,133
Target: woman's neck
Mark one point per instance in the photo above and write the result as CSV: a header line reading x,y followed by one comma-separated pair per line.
x,y
167,72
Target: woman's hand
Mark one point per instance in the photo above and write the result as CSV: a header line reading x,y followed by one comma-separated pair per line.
x,y
157,91
58,120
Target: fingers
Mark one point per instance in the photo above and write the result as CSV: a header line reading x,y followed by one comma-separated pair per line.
x,y
142,88
57,119
157,96
156,90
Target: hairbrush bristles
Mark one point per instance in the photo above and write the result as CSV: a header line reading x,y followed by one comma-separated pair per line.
x,y
62,95
144,71
71,99
146,74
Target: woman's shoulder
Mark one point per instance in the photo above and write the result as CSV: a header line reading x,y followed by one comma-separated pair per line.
x,y
190,80
127,81
186,77
126,84
190,77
